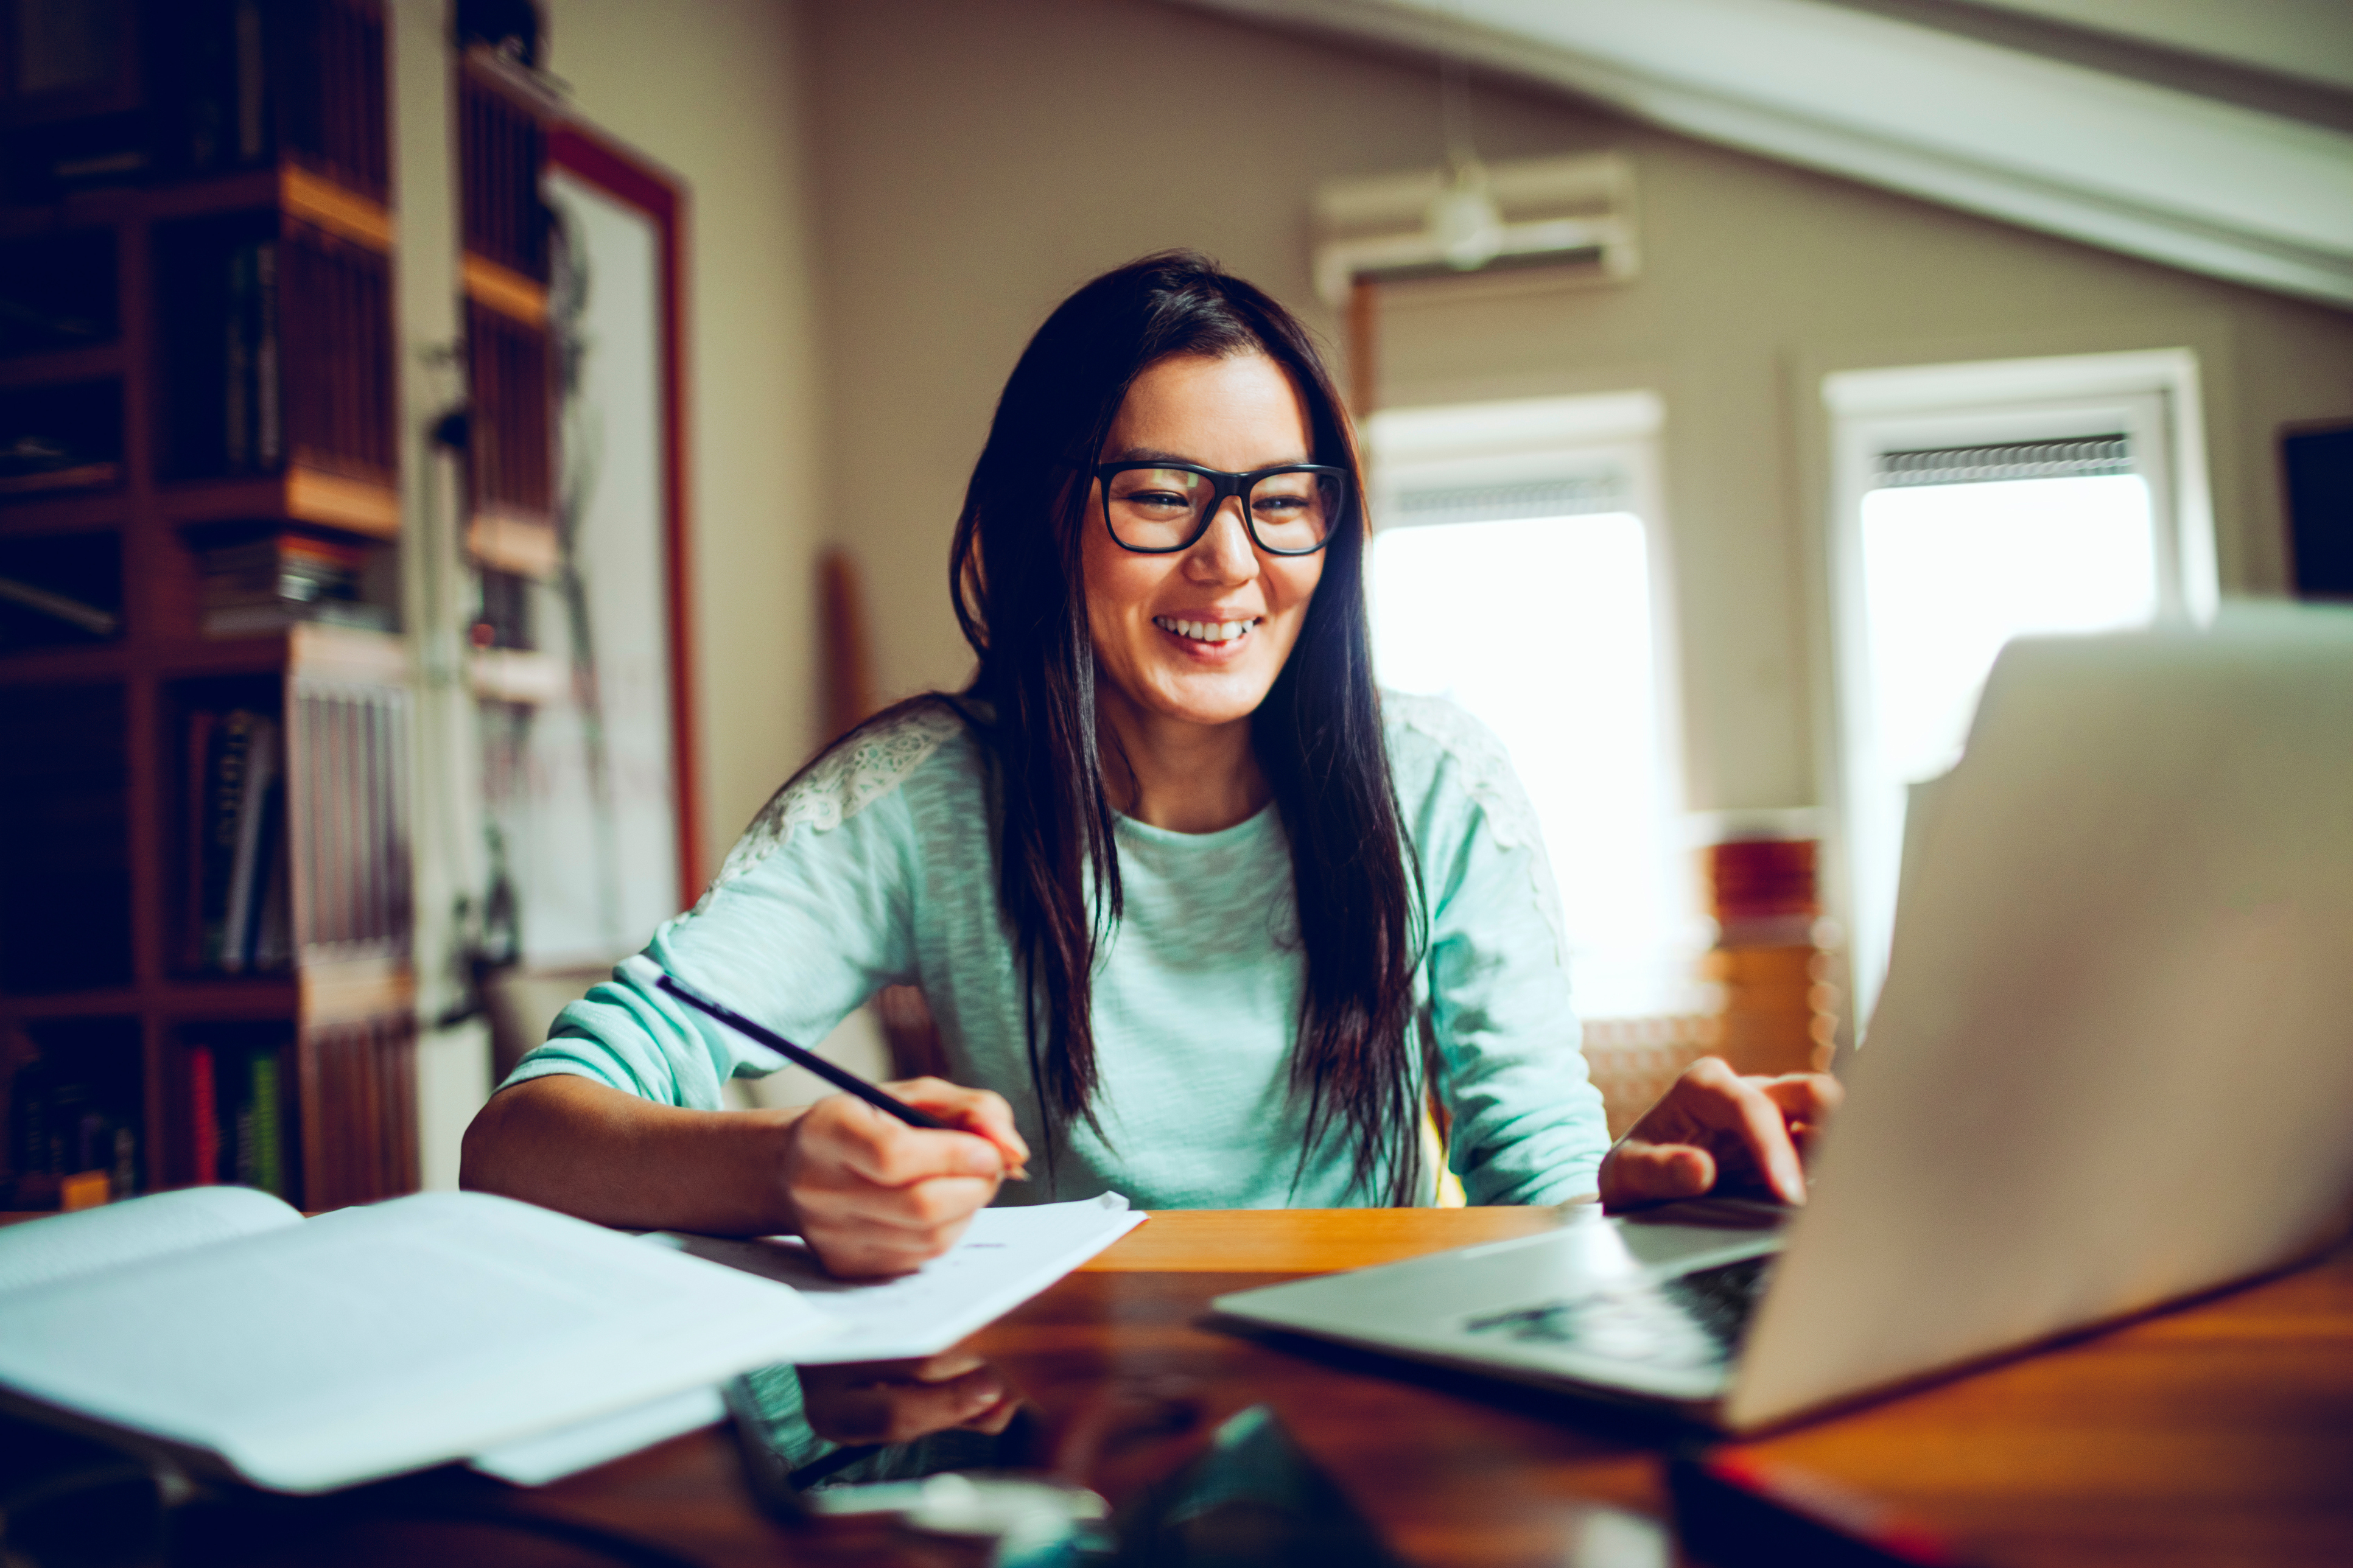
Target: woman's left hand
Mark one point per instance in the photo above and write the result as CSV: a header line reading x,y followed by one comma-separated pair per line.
x,y
1716,1131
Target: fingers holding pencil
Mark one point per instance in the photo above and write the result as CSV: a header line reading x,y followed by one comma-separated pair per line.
x,y
875,1194
979,1111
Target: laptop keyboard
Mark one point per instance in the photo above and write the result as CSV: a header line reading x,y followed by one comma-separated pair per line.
x,y
1691,1320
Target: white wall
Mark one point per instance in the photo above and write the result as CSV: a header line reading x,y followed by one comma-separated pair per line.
x,y
977,159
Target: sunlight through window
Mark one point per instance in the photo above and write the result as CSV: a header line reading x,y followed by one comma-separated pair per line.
x,y
1541,627
1952,571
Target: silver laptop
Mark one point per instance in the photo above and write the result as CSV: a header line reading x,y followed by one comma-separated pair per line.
x,y
2112,1065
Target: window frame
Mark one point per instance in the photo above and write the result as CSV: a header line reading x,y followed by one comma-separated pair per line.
x,y
2151,396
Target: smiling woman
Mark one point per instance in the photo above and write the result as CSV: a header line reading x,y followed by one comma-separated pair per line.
x,y
1203,916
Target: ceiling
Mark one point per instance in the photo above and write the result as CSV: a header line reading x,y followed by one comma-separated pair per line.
x,y
2213,135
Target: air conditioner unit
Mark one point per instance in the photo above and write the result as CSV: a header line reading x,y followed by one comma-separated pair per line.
x,y
1575,213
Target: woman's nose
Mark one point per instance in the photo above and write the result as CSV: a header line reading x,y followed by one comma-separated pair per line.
x,y
1225,553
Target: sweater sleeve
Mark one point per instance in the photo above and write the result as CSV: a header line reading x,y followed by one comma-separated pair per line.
x,y
811,914
1527,1125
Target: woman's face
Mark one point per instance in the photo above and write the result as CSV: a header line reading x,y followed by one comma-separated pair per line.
x,y
1149,613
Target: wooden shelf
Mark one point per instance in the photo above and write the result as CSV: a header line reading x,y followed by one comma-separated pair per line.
x,y
518,674
503,289
114,1000
82,479
328,992
352,989
348,653
326,651
323,204
83,512
65,665
358,506
95,362
514,541
312,197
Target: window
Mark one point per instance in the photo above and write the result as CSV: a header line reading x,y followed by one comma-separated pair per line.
x,y
1517,571
1975,503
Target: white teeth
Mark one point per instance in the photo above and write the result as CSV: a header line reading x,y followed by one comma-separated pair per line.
x,y
1204,631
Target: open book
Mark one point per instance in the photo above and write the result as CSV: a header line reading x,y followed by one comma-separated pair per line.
x,y
218,1324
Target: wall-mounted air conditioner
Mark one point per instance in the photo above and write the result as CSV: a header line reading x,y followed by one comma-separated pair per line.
x,y
1573,213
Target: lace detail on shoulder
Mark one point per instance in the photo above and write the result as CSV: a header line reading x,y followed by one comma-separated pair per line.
x,y
842,784
1487,775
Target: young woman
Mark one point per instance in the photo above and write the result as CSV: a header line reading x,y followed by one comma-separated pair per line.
x,y
1202,916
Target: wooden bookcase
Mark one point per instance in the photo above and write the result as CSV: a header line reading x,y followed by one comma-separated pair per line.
x,y
503,116
199,360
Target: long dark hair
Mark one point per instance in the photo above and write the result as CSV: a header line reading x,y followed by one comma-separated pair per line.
x,y
1020,597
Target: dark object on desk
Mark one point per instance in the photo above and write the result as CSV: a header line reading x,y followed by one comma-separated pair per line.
x,y
840,1078
1735,1512
1254,1499
2318,468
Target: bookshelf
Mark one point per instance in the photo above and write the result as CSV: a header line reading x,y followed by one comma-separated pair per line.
x,y
505,114
205,965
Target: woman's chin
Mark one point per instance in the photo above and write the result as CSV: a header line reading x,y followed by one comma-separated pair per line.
x,y
1207,697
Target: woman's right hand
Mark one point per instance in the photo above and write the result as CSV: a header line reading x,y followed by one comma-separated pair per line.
x,y
873,1195
898,1402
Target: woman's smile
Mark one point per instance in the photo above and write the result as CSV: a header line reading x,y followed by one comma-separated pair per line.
x,y
1208,635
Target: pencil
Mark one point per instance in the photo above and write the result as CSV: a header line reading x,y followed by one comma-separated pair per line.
x,y
646,971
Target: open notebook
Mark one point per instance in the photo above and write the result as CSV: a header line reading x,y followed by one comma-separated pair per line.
x,y
218,1324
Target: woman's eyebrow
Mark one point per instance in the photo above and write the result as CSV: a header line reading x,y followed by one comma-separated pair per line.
x,y
1146,454
1155,455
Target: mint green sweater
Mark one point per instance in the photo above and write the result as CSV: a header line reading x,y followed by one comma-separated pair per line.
x,y
878,869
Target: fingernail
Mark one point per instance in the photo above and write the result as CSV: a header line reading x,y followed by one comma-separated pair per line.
x,y
1019,1174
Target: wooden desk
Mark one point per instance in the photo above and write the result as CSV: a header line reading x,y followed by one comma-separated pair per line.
x,y
2222,1433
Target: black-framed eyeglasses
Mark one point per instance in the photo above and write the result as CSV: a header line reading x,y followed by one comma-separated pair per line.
x,y
1158,509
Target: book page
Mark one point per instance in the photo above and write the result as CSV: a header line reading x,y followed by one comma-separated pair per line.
x,y
383,1338
551,1456
61,1247
1005,1257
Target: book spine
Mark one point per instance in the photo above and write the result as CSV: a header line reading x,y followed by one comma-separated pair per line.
x,y
236,366
241,903
269,1152
269,412
269,856
203,1117
252,84
199,777
223,793
244,1148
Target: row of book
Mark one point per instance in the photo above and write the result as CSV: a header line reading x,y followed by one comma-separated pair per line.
x,y
251,584
255,584
237,1123
239,917
253,422
221,85
73,1137
70,1143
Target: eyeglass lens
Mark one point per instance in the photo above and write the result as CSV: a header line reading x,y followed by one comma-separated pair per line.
x,y
1162,509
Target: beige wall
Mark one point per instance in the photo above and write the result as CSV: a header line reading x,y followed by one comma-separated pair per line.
x,y
977,159
711,90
